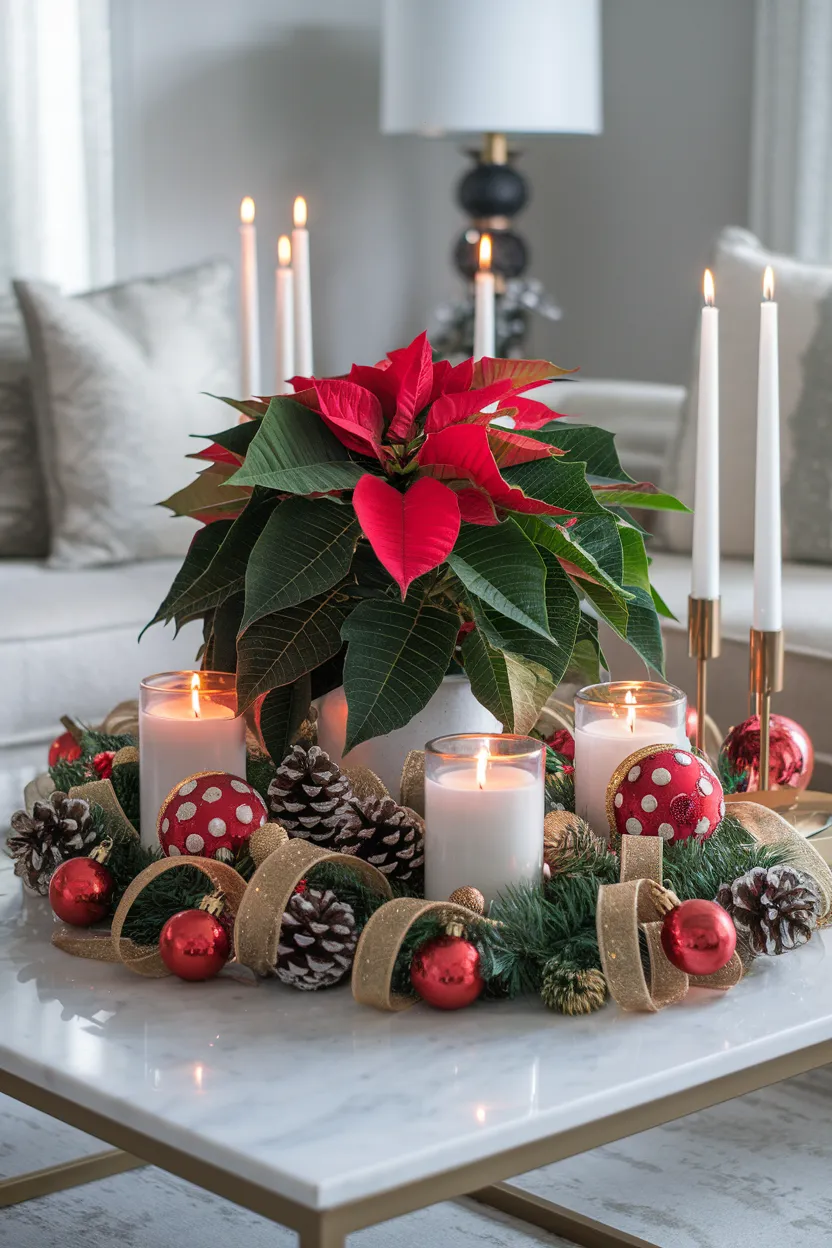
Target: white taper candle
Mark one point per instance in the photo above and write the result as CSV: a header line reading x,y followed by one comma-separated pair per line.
x,y
303,290
768,591
284,318
484,297
249,311
705,572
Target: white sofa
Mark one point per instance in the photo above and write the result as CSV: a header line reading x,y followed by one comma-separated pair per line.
x,y
645,418
68,646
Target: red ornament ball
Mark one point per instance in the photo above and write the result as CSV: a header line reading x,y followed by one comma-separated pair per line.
x,y
64,747
665,791
211,814
791,756
445,972
80,891
699,937
194,945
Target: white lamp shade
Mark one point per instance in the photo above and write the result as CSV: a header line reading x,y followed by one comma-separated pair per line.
x,y
528,66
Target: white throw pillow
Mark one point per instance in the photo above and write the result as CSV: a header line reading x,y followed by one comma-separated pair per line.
x,y
117,377
24,524
804,295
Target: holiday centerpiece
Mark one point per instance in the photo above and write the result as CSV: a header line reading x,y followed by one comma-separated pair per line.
x,y
373,534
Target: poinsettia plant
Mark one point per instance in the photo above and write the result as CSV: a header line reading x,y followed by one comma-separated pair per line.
x,y
386,527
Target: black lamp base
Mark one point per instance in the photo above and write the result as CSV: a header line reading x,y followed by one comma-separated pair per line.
x,y
492,192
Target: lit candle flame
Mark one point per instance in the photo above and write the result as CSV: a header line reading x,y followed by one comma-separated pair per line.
x,y
768,283
485,252
482,765
708,288
195,694
630,700
247,210
198,1074
284,251
299,213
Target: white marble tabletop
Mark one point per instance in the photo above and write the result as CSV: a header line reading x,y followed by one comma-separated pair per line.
x,y
324,1101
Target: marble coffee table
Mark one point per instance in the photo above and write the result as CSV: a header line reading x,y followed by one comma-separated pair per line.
x,y
328,1117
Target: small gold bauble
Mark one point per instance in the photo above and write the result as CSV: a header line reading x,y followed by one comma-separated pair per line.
x,y
267,838
127,754
469,897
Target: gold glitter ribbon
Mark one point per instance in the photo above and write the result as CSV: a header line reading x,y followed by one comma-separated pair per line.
x,y
412,790
102,793
380,942
146,959
631,907
257,930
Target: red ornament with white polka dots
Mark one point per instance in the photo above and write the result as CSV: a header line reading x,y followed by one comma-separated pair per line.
x,y
665,791
211,814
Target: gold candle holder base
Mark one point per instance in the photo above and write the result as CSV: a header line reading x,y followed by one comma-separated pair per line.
x,y
703,643
766,678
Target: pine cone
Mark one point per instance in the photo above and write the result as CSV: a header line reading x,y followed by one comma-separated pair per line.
x,y
58,829
774,908
317,940
388,836
310,795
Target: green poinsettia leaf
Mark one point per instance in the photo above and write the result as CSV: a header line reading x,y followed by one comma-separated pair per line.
x,y
226,622
585,444
305,548
209,494
644,629
204,546
660,604
238,438
226,573
282,712
501,566
280,648
254,408
397,655
599,537
639,494
557,482
588,663
581,566
513,690
636,566
294,452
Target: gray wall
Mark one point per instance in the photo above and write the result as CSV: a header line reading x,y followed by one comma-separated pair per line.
x,y
215,99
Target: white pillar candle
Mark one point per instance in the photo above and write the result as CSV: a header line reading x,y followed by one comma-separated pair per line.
x,y
284,318
483,823
303,290
183,730
705,573
249,310
768,590
607,731
484,297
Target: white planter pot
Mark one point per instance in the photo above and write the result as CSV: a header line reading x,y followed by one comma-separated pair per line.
x,y
453,708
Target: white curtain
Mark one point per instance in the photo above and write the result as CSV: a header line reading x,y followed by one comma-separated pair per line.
x,y
791,171
56,184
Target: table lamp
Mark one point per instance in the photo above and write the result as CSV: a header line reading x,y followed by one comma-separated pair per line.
x,y
487,67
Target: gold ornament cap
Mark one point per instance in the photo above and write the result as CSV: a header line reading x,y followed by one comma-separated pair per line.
x,y
213,903
102,851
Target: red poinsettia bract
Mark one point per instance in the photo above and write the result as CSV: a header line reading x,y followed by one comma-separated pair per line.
x,y
429,426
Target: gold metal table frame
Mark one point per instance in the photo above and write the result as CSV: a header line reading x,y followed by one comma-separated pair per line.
x,y
480,1180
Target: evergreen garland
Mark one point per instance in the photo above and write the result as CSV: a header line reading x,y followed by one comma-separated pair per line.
x,y
559,782
125,782
260,771
164,897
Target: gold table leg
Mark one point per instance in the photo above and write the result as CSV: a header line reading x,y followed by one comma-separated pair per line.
x,y
22,1187
555,1218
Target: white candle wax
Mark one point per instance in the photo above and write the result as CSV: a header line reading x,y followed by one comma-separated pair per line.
x,y
249,310
485,837
303,291
705,570
768,592
484,329
284,347
600,746
175,743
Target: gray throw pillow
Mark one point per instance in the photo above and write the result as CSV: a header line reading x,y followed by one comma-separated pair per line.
x,y
24,525
117,377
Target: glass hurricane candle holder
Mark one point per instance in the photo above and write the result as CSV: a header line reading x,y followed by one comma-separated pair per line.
x,y
613,720
188,722
483,813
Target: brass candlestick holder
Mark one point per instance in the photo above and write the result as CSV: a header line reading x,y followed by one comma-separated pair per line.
x,y
766,678
703,644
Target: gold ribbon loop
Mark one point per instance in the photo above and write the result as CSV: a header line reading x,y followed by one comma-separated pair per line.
x,y
380,942
257,930
102,793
